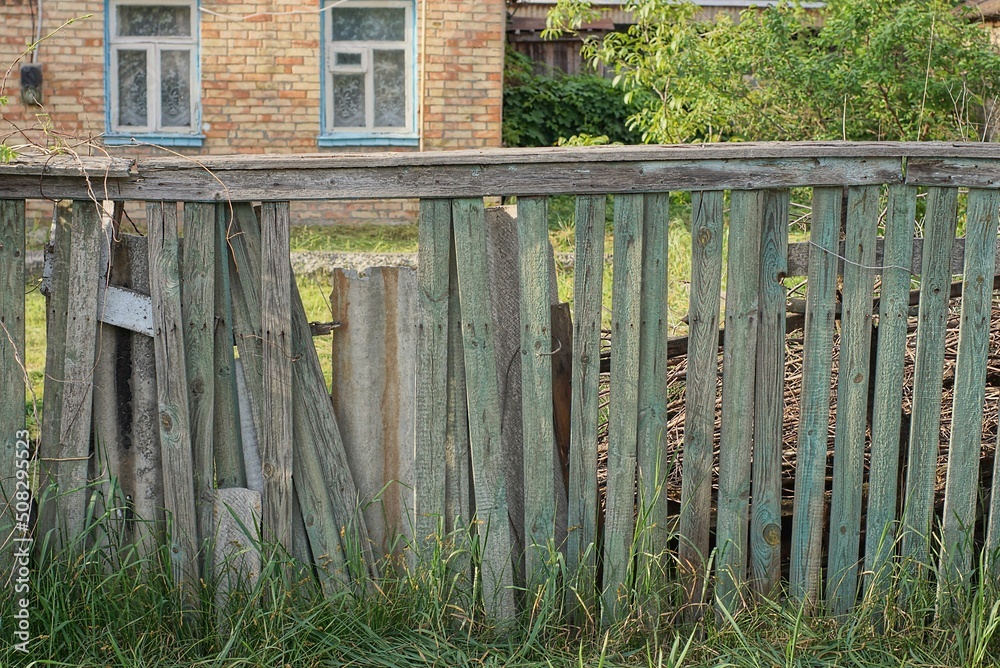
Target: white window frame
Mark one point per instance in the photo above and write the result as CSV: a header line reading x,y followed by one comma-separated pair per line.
x,y
153,47
366,48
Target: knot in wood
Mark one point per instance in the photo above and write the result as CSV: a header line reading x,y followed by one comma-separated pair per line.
x,y
772,534
166,421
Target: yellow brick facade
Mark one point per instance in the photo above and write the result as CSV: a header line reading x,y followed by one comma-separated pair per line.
x,y
260,80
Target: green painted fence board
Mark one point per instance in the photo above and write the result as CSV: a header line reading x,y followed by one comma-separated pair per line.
x,y
468,217
702,381
536,389
883,474
746,220
198,312
852,398
935,281
12,373
226,437
431,428
970,392
581,549
814,407
626,296
769,398
172,396
653,462
276,324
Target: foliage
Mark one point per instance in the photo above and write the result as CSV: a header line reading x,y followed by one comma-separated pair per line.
x,y
856,70
542,110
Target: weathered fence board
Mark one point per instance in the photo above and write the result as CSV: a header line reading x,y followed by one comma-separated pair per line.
x,y
964,448
459,503
229,465
198,313
581,549
12,373
626,302
769,401
814,406
935,279
468,218
746,221
651,455
883,475
701,388
172,395
852,399
374,364
538,435
431,430
276,444
73,452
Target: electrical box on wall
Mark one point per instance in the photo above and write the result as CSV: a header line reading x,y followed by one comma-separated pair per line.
x,y
31,84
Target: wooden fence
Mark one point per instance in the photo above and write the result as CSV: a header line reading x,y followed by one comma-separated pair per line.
x,y
173,436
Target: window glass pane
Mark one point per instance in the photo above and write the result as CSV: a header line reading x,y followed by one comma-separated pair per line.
x,y
348,58
132,88
154,21
389,70
369,24
349,100
175,88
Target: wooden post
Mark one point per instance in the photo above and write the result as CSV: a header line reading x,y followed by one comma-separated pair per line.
x,y
172,395
967,404
468,216
700,400
13,438
626,299
430,462
746,220
769,399
276,444
928,371
814,417
852,398
582,545
198,312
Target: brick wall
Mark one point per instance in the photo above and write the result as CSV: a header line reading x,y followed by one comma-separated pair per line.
x,y
260,83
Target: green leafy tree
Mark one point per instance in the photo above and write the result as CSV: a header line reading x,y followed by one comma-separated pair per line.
x,y
856,69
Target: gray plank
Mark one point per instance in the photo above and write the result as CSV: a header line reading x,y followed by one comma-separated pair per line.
x,y
459,504
970,392
746,221
236,560
814,417
276,442
883,475
229,466
431,430
172,395
798,257
468,218
13,438
954,171
581,548
653,465
769,401
198,313
626,301
469,174
935,279
73,453
536,389
374,366
701,393
852,399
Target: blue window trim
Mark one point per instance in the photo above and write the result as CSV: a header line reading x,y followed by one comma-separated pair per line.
x,y
159,140
354,138
112,138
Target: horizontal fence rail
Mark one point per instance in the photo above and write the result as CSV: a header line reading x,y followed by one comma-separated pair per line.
x,y
533,444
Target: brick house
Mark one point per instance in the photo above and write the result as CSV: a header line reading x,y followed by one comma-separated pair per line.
x,y
243,76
